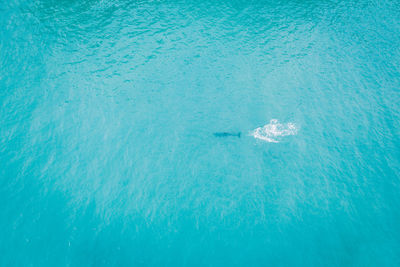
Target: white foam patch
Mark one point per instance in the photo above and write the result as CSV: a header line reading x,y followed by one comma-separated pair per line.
x,y
274,131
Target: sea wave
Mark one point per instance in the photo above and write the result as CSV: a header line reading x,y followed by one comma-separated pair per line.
x,y
274,131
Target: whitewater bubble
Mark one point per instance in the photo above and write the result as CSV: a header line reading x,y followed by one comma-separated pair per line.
x,y
274,131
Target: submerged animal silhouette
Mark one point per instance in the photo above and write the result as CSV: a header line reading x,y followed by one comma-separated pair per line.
x,y
226,134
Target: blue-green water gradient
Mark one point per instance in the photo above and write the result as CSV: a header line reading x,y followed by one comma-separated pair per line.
x,y
107,115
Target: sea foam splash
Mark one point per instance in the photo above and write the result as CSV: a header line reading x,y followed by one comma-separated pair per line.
x,y
273,131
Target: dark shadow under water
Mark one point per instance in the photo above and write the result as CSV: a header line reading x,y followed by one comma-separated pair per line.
x,y
227,134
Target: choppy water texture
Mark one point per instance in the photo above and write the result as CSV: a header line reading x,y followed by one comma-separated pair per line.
x,y
108,110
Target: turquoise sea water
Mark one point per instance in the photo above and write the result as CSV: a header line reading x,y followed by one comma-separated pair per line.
x,y
108,113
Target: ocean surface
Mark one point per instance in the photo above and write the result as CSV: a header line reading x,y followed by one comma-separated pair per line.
x,y
108,111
